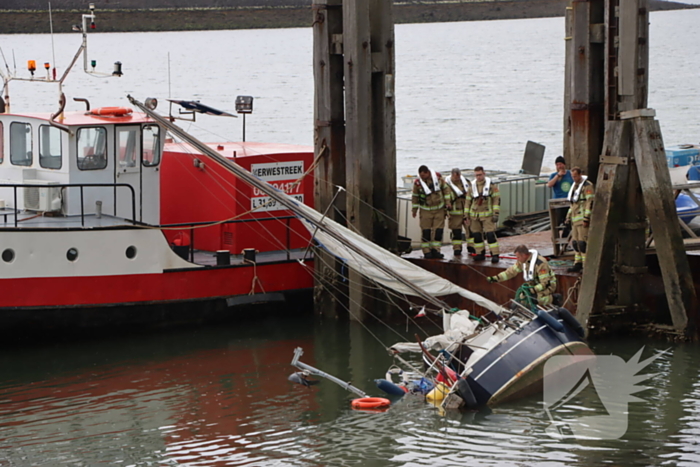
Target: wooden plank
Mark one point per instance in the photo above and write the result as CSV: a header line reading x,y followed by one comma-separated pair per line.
x,y
658,199
329,147
384,125
631,239
608,204
568,56
630,114
587,93
641,93
360,165
627,50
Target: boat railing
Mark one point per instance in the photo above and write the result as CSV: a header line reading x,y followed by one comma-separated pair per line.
x,y
80,186
191,227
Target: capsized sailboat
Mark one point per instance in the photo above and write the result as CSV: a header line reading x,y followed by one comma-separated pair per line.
x,y
481,361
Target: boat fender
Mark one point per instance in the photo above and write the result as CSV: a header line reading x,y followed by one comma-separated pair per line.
x,y
370,403
571,321
437,394
550,320
390,388
111,111
465,392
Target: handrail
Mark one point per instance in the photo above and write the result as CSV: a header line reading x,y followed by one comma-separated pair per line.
x,y
192,225
14,187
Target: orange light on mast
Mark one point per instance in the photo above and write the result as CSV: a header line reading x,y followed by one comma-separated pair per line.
x,y
31,66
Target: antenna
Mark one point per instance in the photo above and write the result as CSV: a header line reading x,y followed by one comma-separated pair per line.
x,y
7,67
169,76
53,47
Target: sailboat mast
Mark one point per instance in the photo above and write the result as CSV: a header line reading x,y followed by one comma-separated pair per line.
x,y
283,199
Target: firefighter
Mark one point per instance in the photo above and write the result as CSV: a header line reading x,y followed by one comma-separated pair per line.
x,y
579,216
484,207
538,275
429,193
456,202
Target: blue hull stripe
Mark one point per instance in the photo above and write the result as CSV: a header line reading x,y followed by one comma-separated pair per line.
x,y
517,352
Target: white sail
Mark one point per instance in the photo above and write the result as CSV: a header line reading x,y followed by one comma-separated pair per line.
x,y
426,280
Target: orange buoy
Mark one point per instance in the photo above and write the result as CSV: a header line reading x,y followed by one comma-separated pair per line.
x,y
111,111
370,403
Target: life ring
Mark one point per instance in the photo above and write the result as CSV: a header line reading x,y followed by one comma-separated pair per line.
x,y
111,111
370,403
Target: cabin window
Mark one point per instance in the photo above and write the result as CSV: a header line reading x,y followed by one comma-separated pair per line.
x,y
92,148
151,145
127,147
50,149
21,143
2,143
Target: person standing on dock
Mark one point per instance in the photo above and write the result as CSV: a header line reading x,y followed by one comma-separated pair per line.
x,y
560,181
484,207
429,194
539,277
456,201
578,218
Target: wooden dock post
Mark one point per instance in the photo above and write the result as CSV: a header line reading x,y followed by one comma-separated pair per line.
x,y
633,185
329,147
367,159
585,92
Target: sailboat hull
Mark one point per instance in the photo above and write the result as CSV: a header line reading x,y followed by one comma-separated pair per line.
x,y
514,368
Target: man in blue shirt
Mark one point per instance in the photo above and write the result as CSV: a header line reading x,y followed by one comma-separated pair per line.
x,y
560,181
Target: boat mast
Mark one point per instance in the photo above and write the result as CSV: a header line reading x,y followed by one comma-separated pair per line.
x,y
283,199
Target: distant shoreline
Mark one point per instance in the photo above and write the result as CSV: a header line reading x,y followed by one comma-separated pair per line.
x,y
192,19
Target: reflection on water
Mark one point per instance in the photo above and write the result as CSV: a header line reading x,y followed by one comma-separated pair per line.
x,y
220,396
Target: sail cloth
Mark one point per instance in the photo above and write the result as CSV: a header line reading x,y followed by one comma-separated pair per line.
x,y
426,280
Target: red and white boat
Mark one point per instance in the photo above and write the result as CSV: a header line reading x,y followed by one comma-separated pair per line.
x,y
98,208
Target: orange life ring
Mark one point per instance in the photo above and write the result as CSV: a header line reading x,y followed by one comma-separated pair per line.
x,y
111,111
370,403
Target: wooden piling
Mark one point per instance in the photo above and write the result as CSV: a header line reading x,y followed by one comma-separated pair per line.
x,y
633,184
586,57
329,147
354,75
661,209
383,124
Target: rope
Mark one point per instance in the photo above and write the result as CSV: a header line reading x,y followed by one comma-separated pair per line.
x,y
255,279
572,293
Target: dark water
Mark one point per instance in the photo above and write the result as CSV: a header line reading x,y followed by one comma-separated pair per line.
x,y
219,396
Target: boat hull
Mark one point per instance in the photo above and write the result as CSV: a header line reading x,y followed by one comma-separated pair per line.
x,y
514,368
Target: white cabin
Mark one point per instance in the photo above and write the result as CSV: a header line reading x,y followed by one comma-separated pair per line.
x,y
108,161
